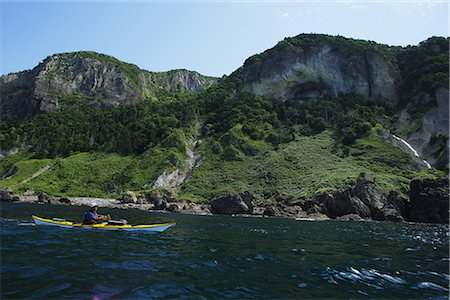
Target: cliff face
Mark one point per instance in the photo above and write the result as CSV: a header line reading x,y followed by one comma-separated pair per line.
x,y
87,78
184,80
293,69
16,96
412,80
424,120
432,125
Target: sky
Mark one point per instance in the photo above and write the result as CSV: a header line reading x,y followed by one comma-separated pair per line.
x,y
212,38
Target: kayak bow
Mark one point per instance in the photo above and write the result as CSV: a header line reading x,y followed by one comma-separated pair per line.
x,y
105,226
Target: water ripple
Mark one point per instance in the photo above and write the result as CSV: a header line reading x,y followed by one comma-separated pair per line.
x,y
130,265
221,257
432,286
371,277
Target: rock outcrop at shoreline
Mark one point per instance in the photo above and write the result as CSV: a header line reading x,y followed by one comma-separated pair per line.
x,y
363,202
228,205
429,200
428,203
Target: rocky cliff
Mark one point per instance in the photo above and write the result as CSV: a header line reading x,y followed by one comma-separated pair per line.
x,y
413,81
87,78
317,66
300,121
430,136
424,120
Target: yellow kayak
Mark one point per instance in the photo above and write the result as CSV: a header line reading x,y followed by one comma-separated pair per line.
x,y
69,224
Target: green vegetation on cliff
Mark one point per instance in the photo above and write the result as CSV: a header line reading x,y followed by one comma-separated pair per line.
x,y
126,130
300,169
348,46
279,150
424,68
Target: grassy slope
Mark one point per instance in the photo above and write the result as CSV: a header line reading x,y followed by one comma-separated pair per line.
x,y
299,169
83,174
303,168
89,174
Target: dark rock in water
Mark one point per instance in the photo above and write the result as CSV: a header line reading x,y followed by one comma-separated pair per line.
x,y
45,198
270,211
360,208
248,198
429,200
350,217
64,200
312,206
316,216
400,204
190,207
340,203
237,204
364,200
8,191
366,191
173,208
156,196
293,211
284,210
7,195
314,209
388,214
160,204
259,211
129,197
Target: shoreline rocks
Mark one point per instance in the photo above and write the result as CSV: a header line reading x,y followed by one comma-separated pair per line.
x,y
429,203
129,197
229,205
7,195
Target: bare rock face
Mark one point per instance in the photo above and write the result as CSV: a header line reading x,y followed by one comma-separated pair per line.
x,y
435,122
46,198
184,80
129,197
16,96
283,210
429,200
87,78
291,71
388,214
364,201
64,200
237,204
340,203
350,217
366,191
7,195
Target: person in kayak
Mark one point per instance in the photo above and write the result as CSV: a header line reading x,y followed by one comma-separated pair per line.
x,y
92,217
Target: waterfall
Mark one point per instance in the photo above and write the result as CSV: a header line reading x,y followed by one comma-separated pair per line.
x,y
412,149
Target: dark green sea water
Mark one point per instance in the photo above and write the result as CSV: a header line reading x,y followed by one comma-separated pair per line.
x,y
220,257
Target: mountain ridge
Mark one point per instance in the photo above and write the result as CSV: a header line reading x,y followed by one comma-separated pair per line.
x,y
277,127
97,78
